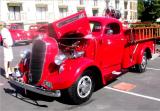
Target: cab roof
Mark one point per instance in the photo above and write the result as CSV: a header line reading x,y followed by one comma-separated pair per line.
x,y
104,20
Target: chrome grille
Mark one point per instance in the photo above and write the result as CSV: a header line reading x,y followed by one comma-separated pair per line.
x,y
37,61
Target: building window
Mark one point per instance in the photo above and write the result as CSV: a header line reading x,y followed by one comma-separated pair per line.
x,y
95,12
125,5
117,4
41,12
60,1
95,2
125,14
135,6
63,12
80,8
135,15
14,12
131,16
131,6
81,2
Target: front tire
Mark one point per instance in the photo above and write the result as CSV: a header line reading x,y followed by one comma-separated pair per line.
x,y
142,66
82,90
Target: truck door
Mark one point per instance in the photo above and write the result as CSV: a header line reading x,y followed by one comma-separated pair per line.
x,y
113,46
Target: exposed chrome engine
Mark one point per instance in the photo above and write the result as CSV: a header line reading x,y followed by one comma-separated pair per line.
x,y
70,48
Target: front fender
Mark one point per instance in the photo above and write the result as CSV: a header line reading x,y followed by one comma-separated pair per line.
x,y
72,70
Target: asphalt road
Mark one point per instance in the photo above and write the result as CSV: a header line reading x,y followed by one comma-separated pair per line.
x,y
144,96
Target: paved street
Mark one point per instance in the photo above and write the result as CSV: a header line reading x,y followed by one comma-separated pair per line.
x,y
144,96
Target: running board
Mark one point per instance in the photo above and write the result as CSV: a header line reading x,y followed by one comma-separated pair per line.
x,y
116,73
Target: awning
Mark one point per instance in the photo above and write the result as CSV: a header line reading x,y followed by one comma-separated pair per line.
x,y
14,4
95,8
41,5
80,7
62,6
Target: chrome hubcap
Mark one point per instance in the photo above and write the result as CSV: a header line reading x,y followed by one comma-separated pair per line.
x,y
84,86
144,62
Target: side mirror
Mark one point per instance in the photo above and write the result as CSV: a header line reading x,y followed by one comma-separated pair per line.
x,y
109,32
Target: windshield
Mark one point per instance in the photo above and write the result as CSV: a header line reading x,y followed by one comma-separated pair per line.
x,y
95,26
33,27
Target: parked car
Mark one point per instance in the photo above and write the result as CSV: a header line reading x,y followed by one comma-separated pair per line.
x,y
1,42
18,34
37,29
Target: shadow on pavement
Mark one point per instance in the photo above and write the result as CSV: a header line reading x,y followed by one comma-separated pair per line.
x,y
27,96
23,98
2,72
34,98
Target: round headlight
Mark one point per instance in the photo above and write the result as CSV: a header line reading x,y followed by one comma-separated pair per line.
x,y
59,59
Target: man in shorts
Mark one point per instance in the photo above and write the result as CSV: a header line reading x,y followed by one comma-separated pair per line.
x,y
7,47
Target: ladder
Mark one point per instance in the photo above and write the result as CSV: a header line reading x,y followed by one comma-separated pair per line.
x,y
140,34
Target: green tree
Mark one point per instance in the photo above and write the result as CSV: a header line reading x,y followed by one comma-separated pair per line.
x,y
140,8
151,10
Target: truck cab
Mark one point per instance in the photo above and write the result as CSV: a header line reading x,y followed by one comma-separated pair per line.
x,y
111,42
78,55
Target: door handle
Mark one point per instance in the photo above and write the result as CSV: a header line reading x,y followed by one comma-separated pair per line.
x,y
109,42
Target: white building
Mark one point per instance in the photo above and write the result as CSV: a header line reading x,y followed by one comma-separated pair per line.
x,y
27,12
128,8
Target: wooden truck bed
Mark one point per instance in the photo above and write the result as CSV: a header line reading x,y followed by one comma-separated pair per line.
x,y
141,34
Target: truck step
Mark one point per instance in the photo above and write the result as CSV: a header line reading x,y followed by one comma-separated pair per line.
x,y
116,73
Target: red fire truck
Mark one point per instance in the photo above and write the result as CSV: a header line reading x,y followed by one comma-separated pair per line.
x,y
80,54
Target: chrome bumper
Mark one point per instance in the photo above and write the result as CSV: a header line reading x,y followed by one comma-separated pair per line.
x,y
38,90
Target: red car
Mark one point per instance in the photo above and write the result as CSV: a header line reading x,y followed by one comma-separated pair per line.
x,y
18,34
37,29
1,42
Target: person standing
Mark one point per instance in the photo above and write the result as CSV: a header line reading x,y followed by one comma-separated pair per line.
x,y
7,47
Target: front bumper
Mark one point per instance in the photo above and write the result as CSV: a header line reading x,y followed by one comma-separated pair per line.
x,y
17,42
35,89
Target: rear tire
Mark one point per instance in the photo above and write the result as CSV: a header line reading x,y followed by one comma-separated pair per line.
x,y
142,66
82,90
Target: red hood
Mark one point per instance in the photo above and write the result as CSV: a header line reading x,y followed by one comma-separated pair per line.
x,y
77,23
